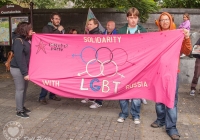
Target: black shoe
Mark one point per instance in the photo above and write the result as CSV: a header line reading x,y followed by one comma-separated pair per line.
x,y
26,110
22,114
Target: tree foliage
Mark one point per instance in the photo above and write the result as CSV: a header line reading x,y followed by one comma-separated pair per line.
x,y
42,4
181,3
4,2
144,6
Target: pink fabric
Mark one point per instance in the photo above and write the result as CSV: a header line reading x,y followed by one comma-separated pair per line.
x,y
108,67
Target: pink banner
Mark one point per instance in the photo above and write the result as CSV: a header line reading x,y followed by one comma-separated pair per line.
x,y
108,67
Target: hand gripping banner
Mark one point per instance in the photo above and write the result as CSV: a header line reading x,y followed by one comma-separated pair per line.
x,y
108,67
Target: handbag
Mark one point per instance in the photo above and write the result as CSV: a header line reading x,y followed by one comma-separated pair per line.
x,y
10,56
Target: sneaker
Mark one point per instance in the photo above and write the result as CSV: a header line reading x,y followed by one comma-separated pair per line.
x,y
120,120
182,55
87,101
95,105
175,137
192,92
26,110
144,101
136,121
43,101
22,114
55,98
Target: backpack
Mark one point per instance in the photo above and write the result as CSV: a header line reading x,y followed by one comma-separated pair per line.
x,y
10,56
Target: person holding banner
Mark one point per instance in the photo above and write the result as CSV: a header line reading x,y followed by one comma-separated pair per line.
x,y
52,27
131,27
168,116
93,27
19,65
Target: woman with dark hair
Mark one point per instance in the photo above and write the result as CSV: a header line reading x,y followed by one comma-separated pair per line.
x,y
73,31
19,65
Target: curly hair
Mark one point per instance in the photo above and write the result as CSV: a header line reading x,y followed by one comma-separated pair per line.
x,y
23,29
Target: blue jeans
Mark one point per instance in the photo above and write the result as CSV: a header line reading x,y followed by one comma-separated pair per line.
x,y
43,94
135,108
168,116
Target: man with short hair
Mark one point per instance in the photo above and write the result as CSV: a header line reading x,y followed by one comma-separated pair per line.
x,y
52,27
93,27
132,27
110,28
168,116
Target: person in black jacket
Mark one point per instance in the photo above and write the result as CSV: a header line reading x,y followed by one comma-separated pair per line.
x,y
196,72
93,27
19,65
52,27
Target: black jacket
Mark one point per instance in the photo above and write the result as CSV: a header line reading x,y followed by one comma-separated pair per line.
x,y
95,31
51,30
21,50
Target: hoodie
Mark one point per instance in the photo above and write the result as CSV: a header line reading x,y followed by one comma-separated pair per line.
x,y
157,24
171,27
50,29
123,30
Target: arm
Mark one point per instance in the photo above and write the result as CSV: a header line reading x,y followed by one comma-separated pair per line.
x,y
186,46
157,22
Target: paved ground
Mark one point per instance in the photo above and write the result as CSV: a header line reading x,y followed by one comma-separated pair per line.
x,y
71,120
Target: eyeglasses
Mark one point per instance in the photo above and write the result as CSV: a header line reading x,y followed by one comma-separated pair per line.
x,y
164,20
57,18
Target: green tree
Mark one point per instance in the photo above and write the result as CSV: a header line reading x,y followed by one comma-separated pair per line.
x,y
42,4
181,3
144,6
4,2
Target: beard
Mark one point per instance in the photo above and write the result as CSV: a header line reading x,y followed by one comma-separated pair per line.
x,y
56,24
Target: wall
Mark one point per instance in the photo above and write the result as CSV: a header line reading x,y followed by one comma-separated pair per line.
x,y
75,18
